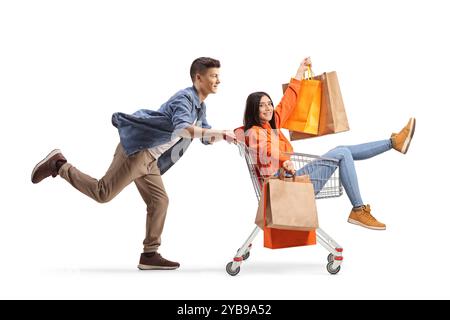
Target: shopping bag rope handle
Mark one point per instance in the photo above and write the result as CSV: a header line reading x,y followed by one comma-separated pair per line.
x,y
282,175
310,74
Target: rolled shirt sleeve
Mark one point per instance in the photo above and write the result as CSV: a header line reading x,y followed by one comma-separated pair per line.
x,y
182,113
203,122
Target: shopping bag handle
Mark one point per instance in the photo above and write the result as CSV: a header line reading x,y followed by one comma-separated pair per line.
x,y
309,72
282,175
304,178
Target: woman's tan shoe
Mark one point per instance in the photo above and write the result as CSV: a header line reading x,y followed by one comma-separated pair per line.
x,y
402,140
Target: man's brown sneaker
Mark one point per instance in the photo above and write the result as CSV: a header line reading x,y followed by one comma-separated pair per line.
x,y
402,140
49,166
154,261
363,218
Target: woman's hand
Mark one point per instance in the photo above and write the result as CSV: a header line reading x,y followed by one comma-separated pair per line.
x,y
303,67
288,165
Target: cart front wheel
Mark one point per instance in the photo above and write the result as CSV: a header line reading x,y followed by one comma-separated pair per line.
x,y
330,257
330,268
231,272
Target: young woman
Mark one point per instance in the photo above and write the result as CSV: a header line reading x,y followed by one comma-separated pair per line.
x,y
271,147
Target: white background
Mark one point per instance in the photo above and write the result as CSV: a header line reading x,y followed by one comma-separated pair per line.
x,y
66,66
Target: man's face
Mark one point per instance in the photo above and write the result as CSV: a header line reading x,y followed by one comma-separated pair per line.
x,y
209,81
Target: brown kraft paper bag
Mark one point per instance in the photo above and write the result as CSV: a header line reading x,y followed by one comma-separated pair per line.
x,y
289,205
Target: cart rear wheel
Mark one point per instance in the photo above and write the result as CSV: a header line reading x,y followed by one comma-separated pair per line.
x,y
330,257
330,268
231,272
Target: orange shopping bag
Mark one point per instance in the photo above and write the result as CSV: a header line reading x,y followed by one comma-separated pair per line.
x,y
277,238
305,117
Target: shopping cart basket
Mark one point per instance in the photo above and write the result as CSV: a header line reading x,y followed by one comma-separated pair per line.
x,y
329,187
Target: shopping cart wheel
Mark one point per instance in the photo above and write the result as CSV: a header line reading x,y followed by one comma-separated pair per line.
x,y
231,272
330,268
330,257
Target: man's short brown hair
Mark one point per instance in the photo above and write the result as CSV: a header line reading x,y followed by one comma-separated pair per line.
x,y
200,65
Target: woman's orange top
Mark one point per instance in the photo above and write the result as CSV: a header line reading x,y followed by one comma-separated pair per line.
x,y
271,145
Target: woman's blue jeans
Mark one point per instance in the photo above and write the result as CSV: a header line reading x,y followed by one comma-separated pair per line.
x,y
320,171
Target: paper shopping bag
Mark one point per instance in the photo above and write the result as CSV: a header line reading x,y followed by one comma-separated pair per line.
x,y
287,213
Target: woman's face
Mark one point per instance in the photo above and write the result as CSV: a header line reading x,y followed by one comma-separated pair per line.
x,y
265,109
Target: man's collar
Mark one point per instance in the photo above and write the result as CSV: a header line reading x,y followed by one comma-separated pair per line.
x,y
197,103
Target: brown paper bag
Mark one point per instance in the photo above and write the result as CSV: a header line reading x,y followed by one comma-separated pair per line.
x,y
333,118
289,205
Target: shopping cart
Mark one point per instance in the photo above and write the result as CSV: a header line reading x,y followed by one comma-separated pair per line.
x,y
330,187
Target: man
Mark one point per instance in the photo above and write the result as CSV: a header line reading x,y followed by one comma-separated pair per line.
x,y
150,143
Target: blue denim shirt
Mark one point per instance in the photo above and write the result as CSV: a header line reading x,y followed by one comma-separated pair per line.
x,y
148,128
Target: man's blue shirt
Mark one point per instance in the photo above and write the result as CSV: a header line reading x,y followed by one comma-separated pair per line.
x,y
148,128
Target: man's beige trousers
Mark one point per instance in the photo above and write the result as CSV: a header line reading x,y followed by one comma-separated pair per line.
x,y
140,168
